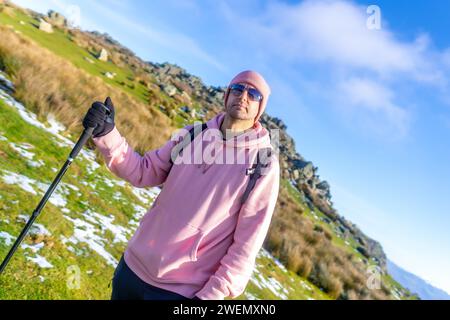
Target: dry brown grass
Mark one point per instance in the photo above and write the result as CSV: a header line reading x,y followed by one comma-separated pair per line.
x,y
46,83
307,250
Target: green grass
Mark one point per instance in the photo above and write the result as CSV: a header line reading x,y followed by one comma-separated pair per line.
x,y
21,279
297,288
394,285
61,44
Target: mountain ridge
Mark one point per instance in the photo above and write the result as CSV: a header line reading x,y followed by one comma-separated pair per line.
x,y
416,284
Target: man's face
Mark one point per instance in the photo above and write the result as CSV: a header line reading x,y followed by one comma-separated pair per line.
x,y
241,107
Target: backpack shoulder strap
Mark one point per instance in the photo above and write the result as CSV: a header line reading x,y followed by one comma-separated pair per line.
x,y
255,171
188,138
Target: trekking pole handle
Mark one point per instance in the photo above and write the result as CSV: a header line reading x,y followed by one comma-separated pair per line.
x,y
86,135
81,142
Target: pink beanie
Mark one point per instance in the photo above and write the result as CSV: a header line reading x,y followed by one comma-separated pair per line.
x,y
256,80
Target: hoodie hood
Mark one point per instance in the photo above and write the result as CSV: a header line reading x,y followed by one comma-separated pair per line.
x,y
249,143
257,138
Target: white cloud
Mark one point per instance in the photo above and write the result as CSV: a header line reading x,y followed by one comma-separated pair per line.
x,y
364,69
377,103
334,32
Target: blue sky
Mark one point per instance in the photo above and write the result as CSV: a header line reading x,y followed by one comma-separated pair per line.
x,y
370,107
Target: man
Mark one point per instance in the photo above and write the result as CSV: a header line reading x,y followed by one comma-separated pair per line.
x,y
197,240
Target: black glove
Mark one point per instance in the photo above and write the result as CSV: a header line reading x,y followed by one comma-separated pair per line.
x,y
101,117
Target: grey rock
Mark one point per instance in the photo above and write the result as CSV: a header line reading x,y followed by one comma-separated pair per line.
x,y
103,56
45,26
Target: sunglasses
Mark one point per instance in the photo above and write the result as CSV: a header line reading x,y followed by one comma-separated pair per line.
x,y
237,89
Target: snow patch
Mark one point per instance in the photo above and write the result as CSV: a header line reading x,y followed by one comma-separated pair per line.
x,y
90,157
250,296
86,232
263,252
271,283
22,149
146,195
7,238
117,195
139,213
23,182
40,261
55,126
120,233
5,83
31,118
36,164
34,248
57,198
36,228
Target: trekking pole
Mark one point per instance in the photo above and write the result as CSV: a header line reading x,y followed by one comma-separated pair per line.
x,y
81,141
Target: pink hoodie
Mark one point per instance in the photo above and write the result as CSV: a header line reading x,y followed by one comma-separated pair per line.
x,y
196,239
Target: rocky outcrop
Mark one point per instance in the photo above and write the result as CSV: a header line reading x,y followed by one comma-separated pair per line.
x,y
169,89
56,19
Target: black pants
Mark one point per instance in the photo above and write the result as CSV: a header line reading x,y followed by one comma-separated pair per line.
x,y
128,286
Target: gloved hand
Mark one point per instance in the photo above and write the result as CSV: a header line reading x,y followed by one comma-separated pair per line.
x,y
101,116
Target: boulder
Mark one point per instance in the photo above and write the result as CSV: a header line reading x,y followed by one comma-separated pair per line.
x,y
45,26
296,174
56,19
306,168
169,89
323,185
110,75
103,56
186,96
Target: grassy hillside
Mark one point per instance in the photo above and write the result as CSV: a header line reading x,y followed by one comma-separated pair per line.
x,y
59,42
62,43
310,245
85,226
57,78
